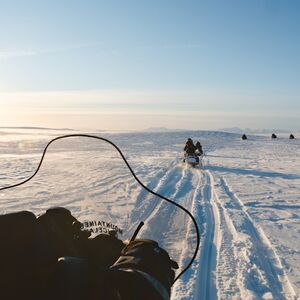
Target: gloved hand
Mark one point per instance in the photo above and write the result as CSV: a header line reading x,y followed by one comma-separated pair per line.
x,y
103,250
145,256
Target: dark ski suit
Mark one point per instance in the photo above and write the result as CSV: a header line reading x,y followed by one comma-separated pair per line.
x,y
190,148
199,148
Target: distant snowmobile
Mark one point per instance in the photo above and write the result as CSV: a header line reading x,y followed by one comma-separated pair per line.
x,y
88,248
274,136
193,153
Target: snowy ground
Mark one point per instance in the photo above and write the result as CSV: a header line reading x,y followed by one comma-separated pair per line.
x,y
245,200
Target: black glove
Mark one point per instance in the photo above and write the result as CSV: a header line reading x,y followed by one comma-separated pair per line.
x,y
145,256
103,250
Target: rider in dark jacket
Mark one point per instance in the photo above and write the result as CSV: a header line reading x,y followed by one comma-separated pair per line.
x,y
199,149
190,148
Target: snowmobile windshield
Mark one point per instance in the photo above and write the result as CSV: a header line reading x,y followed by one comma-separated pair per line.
x,y
90,176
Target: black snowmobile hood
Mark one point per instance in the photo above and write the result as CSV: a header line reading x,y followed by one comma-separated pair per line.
x,y
90,176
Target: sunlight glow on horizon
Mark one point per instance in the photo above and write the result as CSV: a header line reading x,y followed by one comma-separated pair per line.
x,y
134,110
143,120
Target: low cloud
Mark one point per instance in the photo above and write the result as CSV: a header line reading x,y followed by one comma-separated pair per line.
x,y
15,53
7,54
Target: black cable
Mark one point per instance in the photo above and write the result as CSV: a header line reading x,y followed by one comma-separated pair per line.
x,y
136,231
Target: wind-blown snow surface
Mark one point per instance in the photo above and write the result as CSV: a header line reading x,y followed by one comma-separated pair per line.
x,y
245,200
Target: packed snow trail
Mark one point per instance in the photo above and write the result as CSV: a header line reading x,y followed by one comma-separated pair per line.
x,y
193,189
246,250
199,282
206,286
235,258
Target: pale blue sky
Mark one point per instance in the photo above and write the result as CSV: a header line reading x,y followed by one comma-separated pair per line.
x,y
234,63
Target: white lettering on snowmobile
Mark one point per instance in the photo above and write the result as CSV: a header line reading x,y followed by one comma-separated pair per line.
x,y
100,227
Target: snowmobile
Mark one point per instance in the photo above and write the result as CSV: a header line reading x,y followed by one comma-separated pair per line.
x,y
84,226
193,160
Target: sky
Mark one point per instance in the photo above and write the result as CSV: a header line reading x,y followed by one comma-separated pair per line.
x,y
131,65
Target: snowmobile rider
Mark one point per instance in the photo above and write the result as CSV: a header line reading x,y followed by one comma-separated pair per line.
x,y
199,149
189,148
51,257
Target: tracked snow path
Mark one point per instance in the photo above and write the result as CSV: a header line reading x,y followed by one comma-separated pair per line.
x,y
187,286
235,259
248,267
206,277
184,185
200,282
177,184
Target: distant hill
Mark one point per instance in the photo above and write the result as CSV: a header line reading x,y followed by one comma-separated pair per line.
x,y
254,131
162,129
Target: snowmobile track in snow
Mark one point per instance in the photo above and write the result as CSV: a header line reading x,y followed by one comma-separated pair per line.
x,y
194,188
202,206
235,258
259,257
206,286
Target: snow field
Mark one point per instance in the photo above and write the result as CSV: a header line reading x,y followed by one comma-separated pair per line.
x,y
245,200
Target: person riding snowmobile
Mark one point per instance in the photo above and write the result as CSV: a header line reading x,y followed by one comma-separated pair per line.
x,y
199,149
189,148
52,257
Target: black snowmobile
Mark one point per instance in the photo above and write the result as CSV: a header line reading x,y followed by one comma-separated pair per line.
x,y
107,235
